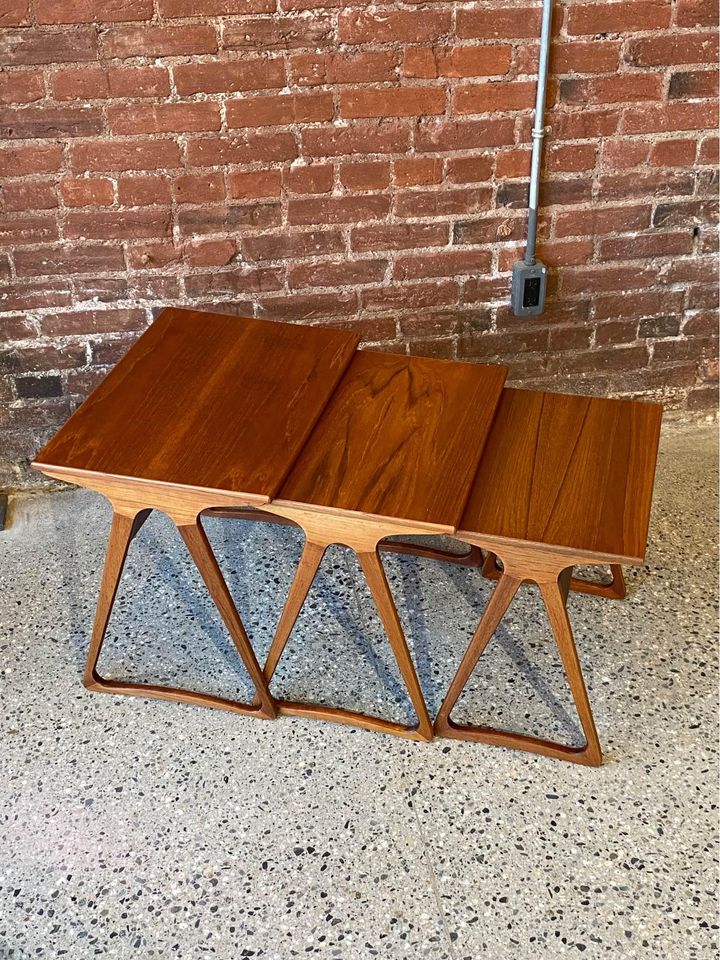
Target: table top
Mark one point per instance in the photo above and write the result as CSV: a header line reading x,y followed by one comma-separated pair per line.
x,y
206,400
568,472
401,438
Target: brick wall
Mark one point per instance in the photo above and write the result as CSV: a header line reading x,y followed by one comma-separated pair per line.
x,y
356,165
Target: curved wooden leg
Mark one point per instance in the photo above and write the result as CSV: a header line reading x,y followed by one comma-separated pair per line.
x,y
615,590
377,581
554,596
122,531
200,550
312,555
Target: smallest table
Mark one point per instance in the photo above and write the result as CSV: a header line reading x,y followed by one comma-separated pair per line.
x,y
564,480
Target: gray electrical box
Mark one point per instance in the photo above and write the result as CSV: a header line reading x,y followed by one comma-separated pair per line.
x,y
529,283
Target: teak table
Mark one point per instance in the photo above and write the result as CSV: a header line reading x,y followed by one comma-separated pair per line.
x,y
209,413
205,410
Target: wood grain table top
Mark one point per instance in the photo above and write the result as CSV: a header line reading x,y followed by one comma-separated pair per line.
x,y
205,400
568,472
401,438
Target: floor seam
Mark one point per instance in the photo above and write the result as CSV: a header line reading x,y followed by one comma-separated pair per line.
x,y
434,882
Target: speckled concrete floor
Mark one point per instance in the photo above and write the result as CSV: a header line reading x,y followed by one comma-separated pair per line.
x,y
134,828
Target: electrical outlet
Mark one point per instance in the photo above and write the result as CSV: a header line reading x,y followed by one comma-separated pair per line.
x,y
529,283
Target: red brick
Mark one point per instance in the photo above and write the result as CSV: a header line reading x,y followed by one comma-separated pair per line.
x,y
312,69
153,256
417,172
709,150
261,183
601,279
673,49
16,327
512,163
279,110
336,274
309,306
649,303
556,254
338,209
440,203
693,85
368,175
572,56
622,88
430,63
584,124
49,121
411,296
406,26
673,153
159,41
293,246
434,136
680,214
86,192
624,154
618,186
34,296
25,161
448,263
83,322
225,219
29,229
125,155
21,195
210,253
571,158
241,148
233,282
498,22
494,97
98,83
669,117
234,76
21,86
15,13
144,190
696,13
117,224
623,18
30,46
405,102
602,220
470,169
309,178
88,11
640,247
163,117
199,187
279,32
72,259
491,229
385,136
398,236
213,8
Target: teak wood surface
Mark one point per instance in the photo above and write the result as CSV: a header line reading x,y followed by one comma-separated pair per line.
x,y
204,401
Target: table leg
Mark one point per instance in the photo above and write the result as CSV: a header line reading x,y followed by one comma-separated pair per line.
x,y
554,594
372,568
124,528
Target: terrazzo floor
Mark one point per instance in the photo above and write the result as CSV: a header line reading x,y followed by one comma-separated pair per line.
x,y
138,828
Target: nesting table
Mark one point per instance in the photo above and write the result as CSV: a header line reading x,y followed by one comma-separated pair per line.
x,y
211,413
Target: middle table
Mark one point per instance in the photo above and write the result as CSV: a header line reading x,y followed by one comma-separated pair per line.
x,y
394,453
